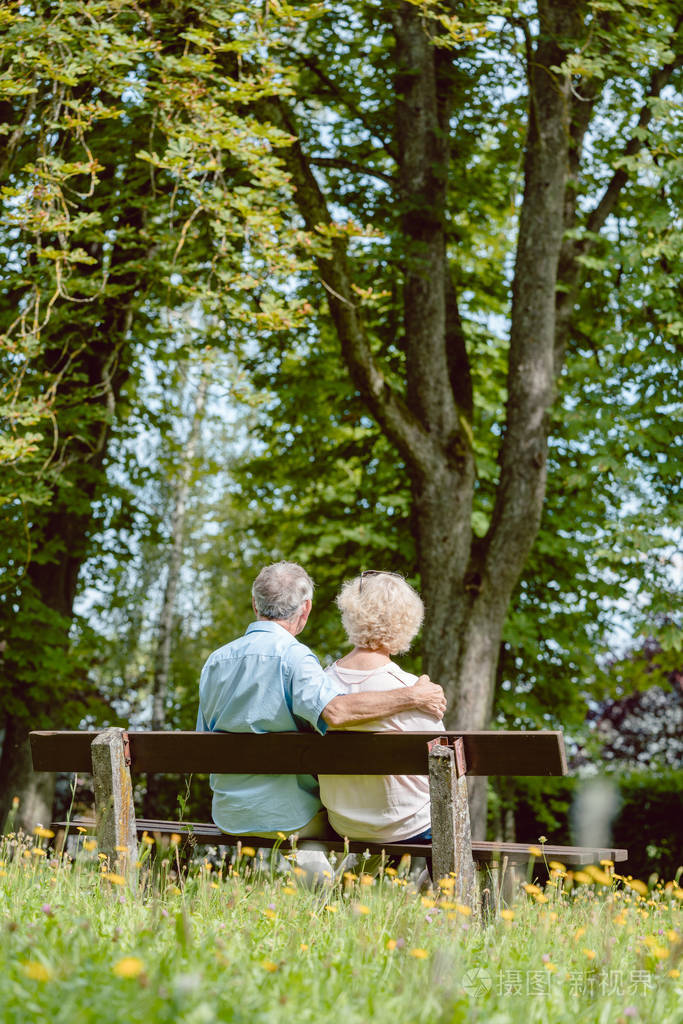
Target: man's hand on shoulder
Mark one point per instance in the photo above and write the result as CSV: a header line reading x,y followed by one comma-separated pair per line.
x,y
349,709
429,697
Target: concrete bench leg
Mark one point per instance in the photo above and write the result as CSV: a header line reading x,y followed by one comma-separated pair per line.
x,y
114,809
451,833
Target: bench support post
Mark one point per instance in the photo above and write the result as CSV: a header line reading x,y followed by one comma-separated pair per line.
x,y
114,809
451,833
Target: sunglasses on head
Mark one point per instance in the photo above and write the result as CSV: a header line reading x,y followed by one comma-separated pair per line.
x,y
376,572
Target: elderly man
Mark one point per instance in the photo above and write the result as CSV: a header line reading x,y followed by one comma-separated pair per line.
x,y
267,681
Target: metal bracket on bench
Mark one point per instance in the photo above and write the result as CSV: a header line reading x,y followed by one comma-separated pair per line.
x,y
458,748
126,749
460,759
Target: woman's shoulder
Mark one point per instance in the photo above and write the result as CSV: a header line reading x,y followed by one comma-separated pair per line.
x,y
405,678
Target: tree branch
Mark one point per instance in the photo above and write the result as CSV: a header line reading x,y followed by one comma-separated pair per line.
x,y
344,98
613,190
350,165
390,410
571,271
531,373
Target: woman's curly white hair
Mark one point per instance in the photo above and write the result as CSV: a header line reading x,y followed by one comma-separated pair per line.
x,y
380,611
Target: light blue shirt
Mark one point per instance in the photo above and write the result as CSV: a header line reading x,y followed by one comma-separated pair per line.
x,y
265,681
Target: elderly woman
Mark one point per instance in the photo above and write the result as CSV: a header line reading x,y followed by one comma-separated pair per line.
x,y
381,614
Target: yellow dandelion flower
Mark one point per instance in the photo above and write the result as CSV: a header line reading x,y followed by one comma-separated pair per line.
x,y
620,919
128,967
115,879
268,965
281,835
447,884
176,891
531,889
89,844
419,954
672,935
148,840
427,902
590,953
674,973
552,916
550,967
303,946
598,876
36,971
289,890
464,910
535,851
248,851
175,838
607,863
349,876
391,872
215,885
332,908
391,943
44,833
578,933
582,877
299,872
507,915
37,852
540,897
557,865
360,908
660,952
81,829
3,874
269,913
367,880
678,893
637,886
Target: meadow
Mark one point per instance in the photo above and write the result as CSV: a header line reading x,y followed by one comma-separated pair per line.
x,y
217,941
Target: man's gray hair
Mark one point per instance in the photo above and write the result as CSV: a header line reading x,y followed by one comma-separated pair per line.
x,y
280,589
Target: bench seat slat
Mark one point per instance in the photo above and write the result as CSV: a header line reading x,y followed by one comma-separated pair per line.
x,y
483,852
337,753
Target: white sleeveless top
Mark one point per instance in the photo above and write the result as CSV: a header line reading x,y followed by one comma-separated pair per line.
x,y
379,808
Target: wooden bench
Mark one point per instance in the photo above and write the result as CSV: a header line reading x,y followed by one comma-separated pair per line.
x,y
448,758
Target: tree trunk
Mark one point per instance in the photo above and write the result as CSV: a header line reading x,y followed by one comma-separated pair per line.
x,y
34,790
44,685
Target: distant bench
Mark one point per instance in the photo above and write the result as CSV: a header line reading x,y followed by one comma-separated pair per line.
x,y
447,758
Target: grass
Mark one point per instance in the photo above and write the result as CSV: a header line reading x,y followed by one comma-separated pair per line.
x,y
81,944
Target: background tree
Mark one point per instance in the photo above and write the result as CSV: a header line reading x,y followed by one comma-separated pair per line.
x,y
418,120
133,184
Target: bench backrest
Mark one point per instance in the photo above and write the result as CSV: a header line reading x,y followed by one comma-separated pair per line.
x,y
292,753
